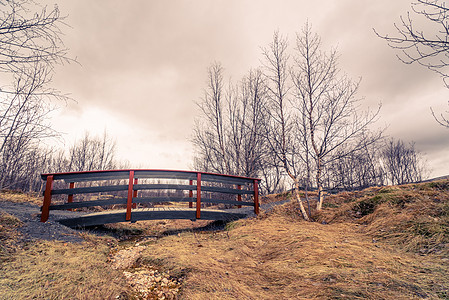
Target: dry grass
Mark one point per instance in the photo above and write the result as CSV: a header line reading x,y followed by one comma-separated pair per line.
x,y
282,257
19,197
9,236
56,270
414,217
380,243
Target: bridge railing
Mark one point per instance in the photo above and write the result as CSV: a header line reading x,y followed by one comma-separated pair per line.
x,y
101,182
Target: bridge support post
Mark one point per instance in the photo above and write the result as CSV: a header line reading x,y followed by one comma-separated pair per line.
x,y
256,197
47,199
198,195
70,196
129,202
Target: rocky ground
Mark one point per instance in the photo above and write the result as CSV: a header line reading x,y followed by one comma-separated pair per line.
x,y
147,280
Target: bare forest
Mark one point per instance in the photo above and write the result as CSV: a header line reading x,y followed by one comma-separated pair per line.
x,y
298,123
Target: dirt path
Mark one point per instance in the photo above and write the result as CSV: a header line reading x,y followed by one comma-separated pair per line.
x,y
29,213
33,229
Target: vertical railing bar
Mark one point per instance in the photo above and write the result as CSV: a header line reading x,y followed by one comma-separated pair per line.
x,y
47,199
239,196
198,195
130,196
135,193
190,194
256,197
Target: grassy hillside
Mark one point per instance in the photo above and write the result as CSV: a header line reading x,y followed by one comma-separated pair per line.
x,y
380,243
413,217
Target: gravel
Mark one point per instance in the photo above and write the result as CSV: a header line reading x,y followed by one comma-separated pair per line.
x,y
34,229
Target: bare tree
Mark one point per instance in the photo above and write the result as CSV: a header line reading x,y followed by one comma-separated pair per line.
x,y
30,46
29,34
246,118
402,162
426,43
23,119
294,119
281,137
92,153
352,170
227,136
328,108
209,132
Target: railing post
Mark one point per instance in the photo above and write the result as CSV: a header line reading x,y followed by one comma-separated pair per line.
x,y
70,197
190,194
130,196
239,196
135,193
256,197
47,199
198,195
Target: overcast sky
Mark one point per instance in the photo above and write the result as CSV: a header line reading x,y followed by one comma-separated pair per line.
x,y
143,65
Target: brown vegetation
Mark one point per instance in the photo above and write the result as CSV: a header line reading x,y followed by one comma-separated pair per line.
x,y
279,256
57,270
414,217
380,243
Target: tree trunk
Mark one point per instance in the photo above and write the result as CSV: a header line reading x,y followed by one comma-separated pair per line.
x,y
319,185
298,198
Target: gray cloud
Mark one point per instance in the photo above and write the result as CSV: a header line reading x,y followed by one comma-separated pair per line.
x,y
144,63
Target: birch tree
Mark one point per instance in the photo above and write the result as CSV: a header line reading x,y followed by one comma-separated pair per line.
x,y
281,137
327,105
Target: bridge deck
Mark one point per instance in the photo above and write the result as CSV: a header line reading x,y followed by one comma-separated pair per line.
x,y
140,214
